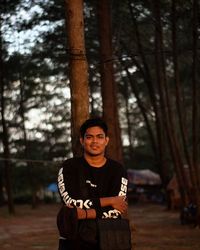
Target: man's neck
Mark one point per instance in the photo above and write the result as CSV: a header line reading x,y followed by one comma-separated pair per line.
x,y
95,161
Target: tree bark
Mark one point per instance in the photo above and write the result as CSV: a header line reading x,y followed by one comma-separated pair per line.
x,y
195,172
108,85
5,136
78,69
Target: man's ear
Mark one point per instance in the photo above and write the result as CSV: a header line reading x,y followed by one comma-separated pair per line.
x,y
107,140
81,140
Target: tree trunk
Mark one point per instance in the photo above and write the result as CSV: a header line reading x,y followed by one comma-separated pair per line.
x,y
158,143
195,173
29,165
179,98
108,85
166,106
78,69
5,135
143,111
145,71
129,126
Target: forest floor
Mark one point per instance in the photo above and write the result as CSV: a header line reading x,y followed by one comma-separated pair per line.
x,y
153,228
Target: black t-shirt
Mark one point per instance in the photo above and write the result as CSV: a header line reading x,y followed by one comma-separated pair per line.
x,y
81,185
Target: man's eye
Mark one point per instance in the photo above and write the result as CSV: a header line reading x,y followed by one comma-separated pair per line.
x,y
88,137
101,136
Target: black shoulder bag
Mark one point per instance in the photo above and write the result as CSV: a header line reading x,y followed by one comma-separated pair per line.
x,y
112,234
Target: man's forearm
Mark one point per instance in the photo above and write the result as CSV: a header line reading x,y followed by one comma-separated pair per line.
x,y
106,201
91,213
117,202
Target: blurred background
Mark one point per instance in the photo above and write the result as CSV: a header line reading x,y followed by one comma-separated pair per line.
x,y
142,77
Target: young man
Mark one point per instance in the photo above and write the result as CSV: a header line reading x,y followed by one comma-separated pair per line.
x,y
92,186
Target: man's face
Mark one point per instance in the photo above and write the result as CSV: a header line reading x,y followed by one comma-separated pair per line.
x,y
94,141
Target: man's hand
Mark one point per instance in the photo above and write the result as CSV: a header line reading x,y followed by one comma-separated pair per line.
x,y
119,203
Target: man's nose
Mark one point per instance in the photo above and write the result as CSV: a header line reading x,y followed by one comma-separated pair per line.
x,y
94,139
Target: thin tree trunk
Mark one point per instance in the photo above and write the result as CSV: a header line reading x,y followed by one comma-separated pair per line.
x,y
145,71
108,85
78,68
166,106
5,136
2,199
143,111
190,163
195,113
26,150
159,144
179,98
129,129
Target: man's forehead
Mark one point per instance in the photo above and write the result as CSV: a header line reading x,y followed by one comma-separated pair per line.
x,y
94,131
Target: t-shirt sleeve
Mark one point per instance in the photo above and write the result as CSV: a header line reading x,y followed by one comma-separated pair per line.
x,y
118,187
69,186
119,183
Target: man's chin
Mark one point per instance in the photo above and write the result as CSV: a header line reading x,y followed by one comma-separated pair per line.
x,y
93,154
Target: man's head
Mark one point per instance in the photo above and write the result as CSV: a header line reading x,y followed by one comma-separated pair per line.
x,y
93,122
93,137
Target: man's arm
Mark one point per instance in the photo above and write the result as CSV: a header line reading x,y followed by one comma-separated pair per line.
x,y
117,202
111,206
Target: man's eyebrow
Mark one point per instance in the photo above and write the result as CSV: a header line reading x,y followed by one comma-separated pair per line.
x,y
87,134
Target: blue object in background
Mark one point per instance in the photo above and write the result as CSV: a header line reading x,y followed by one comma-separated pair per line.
x,y
53,187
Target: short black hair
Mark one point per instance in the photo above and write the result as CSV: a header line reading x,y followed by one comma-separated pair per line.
x,y
93,122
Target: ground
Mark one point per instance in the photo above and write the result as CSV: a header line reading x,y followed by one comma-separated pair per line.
x,y
153,228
